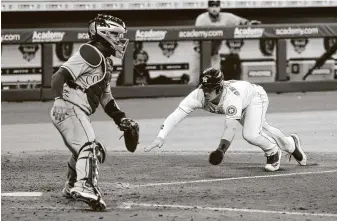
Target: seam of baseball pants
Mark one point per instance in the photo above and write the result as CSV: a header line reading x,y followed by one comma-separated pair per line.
x,y
86,162
261,123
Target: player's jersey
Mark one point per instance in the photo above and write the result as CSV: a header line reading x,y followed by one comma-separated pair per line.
x,y
88,67
236,96
224,19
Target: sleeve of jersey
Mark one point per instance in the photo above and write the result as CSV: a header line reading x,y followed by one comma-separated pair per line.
x,y
199,21
75,65
234,110
189,104
192,102
237,20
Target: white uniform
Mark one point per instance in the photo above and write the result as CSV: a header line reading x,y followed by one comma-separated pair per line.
x,y
224,19
240,100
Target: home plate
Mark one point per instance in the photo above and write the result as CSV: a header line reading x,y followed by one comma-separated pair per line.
x,y
22,194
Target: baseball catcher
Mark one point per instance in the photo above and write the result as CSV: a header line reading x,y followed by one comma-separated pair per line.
x,y
79,86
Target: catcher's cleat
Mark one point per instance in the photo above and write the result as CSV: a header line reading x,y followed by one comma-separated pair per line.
x,y
215,158
89,196
273,162
298,153
66,190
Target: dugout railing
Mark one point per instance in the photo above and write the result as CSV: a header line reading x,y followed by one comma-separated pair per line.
x,y
46,37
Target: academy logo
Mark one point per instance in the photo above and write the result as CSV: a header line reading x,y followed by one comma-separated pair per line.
x,y
296,31
10,37
231,110
28,51
299,44
235,45
248,32
168,47
152,35
200,34
49,36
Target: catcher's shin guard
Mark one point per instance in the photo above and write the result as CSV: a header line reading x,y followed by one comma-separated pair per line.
x,y
86,188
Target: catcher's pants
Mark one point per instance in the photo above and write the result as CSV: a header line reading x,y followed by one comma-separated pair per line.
x,y
258,132
76,130
195,66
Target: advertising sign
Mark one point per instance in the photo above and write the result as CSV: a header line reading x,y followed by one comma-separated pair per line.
x,y
170,61
302,55
20,66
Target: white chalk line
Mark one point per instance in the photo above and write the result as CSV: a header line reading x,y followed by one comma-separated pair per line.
x,y
23,194
128,205
47,208
122,186
232,178
128,186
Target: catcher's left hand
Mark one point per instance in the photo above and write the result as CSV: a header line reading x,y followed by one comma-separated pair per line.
x,y
131,133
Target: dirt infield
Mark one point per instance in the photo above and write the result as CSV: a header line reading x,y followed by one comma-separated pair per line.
x,y
177,182
129,181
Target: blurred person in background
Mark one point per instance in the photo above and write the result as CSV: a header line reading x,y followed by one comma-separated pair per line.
x,y
213,17
141,75
231,65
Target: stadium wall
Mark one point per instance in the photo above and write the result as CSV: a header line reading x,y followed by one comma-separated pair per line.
x,y
162,18
181,17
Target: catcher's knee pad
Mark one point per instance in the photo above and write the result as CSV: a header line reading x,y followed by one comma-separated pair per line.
x,y
100,151
94,147
90,156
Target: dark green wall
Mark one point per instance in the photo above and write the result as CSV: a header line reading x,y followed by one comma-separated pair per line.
x,y
162,18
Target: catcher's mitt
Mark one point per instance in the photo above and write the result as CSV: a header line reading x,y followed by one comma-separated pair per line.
x,y
131,133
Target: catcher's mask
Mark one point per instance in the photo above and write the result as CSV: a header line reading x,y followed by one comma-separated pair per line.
x,y
211,80
111,30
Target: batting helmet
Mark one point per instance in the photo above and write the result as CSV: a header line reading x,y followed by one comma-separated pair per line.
x,y
111,30
211,79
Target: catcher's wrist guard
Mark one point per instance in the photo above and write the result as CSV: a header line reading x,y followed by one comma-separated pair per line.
x,y
224,145
131,133
114,112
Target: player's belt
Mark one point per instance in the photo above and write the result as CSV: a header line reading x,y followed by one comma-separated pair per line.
x,y
75,86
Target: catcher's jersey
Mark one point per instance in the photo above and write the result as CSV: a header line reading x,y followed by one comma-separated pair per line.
x,y
236,96
88,67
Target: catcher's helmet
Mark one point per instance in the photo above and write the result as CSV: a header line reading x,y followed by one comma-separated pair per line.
x,y
211,79
111,30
